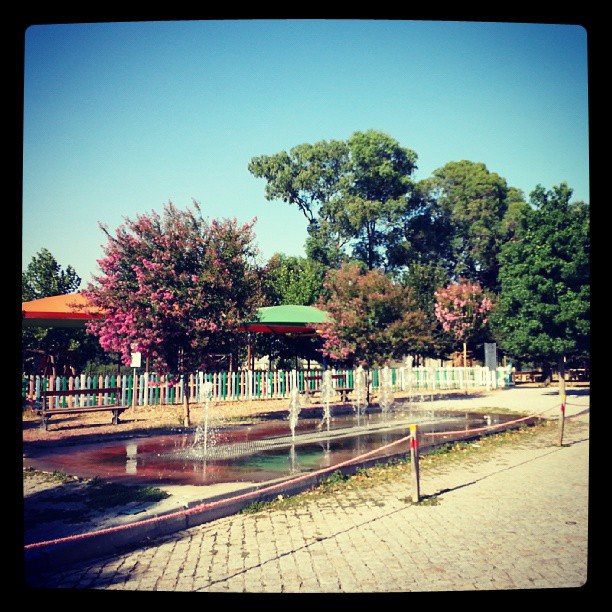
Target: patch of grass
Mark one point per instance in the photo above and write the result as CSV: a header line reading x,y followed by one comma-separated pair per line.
x,y
336,480
281,502
101,495
255,507
57,476
460,450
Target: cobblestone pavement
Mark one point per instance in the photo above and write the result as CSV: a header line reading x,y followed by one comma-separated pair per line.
x,y
513,517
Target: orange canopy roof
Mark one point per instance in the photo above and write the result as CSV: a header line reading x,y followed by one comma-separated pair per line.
x,y
71,306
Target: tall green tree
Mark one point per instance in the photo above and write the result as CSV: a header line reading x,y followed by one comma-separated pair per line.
x,y
44,277
422,238
379,181
352,193
476,203
543,311
308,176
293,280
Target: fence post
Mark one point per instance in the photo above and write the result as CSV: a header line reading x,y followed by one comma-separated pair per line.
x,y
414,458
134,389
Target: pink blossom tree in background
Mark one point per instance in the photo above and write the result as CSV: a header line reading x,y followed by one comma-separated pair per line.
x,y
176,288
462,308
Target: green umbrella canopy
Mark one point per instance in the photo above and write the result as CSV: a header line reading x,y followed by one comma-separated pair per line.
x,y
287,319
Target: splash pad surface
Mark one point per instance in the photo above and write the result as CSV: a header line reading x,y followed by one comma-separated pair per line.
x,y
260,452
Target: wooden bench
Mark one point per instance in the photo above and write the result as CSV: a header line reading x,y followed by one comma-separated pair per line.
x,y
46,413
343,391
528,376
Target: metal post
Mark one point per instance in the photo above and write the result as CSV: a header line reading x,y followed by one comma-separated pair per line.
x,y
414,458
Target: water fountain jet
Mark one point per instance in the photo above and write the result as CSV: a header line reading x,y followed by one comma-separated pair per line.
x,y
327,391
361,392
201,433
386,398
294,410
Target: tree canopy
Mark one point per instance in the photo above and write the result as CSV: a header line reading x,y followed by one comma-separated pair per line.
x,y
479,209
362,204
44,277
352,192
293,280
385,255
543,310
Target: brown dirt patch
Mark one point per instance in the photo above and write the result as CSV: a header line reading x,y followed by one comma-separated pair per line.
x,y
94,427
85,427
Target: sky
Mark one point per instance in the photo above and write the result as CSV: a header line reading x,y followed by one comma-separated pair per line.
x,y
121,118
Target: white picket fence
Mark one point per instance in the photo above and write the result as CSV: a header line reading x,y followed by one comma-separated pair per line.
x,y
151,389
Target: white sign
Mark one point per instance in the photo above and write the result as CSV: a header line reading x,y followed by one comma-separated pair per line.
x,y
136,360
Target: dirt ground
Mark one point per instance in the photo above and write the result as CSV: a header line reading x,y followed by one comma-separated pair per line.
x,y
84,427
78,428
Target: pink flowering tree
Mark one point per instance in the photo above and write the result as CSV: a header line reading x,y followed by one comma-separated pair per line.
x,y
371,318
462,308
176,288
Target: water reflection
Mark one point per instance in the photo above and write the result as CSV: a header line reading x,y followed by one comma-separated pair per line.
x,y
258,453
131,462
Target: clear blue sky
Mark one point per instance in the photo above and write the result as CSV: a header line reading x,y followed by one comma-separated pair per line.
x,y
120,118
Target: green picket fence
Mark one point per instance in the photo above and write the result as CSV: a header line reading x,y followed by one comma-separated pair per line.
x,y
153,389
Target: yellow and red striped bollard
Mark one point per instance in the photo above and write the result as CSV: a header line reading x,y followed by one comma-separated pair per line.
x,y
562,419
414,458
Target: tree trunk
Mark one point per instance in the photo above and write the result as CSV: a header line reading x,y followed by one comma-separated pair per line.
x,y
185,384
465,372
546,374
562,378
186,412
